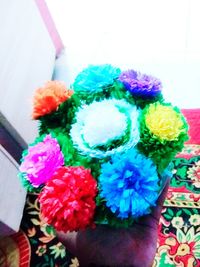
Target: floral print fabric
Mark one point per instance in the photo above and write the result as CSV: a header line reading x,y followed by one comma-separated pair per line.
x,y
179,230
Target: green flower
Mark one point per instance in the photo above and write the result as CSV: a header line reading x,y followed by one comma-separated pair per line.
x,y
41,250
58,250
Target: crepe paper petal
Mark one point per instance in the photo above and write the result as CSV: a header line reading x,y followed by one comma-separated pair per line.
x,y
114,130
49,97
67,201
163,131
41,161
129,184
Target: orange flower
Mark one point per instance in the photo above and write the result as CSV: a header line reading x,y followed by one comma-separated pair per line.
x,y
49,97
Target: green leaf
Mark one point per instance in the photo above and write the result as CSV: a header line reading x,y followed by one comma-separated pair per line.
x,y
33,241
197,255
180,236
51,263
170,211
46,258
181,172
187,211
197,237
50,230
179,213
190,234
195,211
167,216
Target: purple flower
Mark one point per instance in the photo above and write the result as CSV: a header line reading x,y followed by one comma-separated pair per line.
x,y
140,85
42,160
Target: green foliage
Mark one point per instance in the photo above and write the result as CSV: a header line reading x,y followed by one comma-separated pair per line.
x,y
62,118
72,156
162,152
104,216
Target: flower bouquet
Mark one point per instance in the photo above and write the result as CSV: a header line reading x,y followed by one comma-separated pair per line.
x,y
104,148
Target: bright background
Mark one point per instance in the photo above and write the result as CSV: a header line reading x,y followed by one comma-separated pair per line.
x,y
161,38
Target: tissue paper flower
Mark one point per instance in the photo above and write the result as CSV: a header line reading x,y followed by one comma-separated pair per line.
x,y
68,200
163,131
41,161
140,85
49,97
115,133
129,184
105,127
95,78
164,122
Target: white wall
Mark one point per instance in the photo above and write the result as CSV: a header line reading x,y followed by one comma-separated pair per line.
x,y
159,37
27,56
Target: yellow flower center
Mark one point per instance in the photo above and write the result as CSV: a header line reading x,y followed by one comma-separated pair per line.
x,y
183,250
164,122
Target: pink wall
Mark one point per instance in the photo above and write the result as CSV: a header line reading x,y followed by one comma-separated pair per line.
x,y
45,13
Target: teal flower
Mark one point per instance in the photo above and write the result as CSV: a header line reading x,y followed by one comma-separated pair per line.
x,y
95,78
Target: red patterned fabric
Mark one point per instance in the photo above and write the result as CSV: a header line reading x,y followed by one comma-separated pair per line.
x,y
179,230
193,119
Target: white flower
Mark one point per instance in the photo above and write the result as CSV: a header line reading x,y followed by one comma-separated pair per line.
x,y
105,123
177,222
195,219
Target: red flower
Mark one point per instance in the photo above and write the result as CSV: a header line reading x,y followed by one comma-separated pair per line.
x,y
68,200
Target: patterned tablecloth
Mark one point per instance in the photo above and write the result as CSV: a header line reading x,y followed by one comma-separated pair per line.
x,y
179,229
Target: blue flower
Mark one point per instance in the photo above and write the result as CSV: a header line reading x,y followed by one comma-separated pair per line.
x,y
95,78
129,184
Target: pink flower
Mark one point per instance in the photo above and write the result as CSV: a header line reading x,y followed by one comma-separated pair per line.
x,y
42,160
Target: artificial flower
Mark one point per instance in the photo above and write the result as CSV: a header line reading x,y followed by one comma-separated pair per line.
x,y
41,160
67,201
49,97
164,122
115,133
163,131
129,184
106,127
95,78
140,85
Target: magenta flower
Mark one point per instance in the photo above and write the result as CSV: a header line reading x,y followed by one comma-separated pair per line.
x,y
42,160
